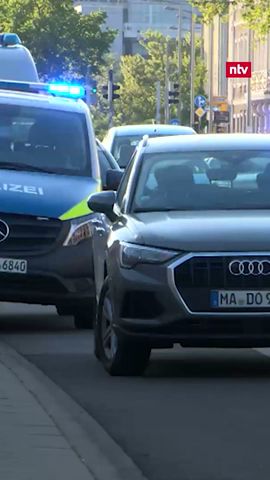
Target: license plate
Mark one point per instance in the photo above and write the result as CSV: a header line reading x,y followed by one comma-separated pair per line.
x,y
13,265
240,299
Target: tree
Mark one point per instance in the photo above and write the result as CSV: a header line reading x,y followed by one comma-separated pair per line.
x,y
63,42
139,75
256,13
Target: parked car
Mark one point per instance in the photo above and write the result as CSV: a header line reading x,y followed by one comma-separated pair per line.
x,y
184,260
122,141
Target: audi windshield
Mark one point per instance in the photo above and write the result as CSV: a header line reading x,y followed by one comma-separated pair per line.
x,y
43,139
202,180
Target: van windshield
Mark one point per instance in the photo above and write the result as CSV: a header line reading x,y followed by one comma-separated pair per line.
x,y
40,138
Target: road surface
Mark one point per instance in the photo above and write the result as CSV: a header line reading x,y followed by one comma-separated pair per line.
x,y
195,415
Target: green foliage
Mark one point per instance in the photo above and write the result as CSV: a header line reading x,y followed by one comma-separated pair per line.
x,y
256,13
100,121
63,42
139,75
209,9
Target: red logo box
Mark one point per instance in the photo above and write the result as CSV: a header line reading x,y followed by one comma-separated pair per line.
x,y
238,69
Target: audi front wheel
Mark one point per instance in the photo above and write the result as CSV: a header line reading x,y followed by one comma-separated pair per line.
x,y
120,357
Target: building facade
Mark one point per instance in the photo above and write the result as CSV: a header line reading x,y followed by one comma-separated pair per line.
x,y
233,42
132,18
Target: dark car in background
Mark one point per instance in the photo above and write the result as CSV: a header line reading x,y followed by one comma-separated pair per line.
x,y
187,249
122,141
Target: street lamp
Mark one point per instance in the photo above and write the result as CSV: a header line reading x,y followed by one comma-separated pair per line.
x,y
249,127
179,43
192,66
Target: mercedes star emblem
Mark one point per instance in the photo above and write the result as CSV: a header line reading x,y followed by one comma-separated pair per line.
x,y
4,231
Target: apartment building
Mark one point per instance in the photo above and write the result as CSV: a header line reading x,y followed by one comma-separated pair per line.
x,y
230,42
132,18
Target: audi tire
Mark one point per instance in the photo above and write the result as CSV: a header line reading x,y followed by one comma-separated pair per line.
x,y
119,356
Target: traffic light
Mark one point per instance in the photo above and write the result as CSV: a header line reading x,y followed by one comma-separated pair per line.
x,y
93,87
91,90
173,94
108,91
105,92
115,87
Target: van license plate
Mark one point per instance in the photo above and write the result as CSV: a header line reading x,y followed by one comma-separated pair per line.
x,y
13,265
240,299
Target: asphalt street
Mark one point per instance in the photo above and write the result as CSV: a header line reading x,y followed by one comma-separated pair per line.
x,y
195,415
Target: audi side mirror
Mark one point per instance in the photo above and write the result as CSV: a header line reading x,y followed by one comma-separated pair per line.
x,y
103,202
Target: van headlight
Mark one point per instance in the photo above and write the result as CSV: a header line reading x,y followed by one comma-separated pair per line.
x,y
132,254
80,229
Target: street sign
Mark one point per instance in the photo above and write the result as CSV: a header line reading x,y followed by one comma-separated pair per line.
x,y
200,112
174,121
221,117
219,99
221,104
199,101
224,107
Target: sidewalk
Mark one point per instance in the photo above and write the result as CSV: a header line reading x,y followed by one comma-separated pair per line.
x,y
31,445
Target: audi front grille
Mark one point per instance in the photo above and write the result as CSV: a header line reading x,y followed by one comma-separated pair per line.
x,y
196,276
30,234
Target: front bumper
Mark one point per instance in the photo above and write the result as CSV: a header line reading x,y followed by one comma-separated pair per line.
x,y
62,276
149,307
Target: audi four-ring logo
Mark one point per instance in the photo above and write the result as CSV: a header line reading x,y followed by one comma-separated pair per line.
x,y
249,267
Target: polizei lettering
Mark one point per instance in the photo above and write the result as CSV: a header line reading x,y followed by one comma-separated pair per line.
x,y
28,189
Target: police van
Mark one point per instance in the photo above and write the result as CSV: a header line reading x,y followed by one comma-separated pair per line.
x,y
48,168
16,62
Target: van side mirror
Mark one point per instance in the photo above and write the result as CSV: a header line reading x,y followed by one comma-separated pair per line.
x,y
113,179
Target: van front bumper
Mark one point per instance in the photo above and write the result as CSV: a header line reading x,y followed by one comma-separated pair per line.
x,y
63,276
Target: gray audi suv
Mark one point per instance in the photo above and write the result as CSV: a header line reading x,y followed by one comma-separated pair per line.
x,y
184,256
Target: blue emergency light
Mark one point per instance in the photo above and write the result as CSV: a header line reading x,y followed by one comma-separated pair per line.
x,y
9,39
58,89
67,90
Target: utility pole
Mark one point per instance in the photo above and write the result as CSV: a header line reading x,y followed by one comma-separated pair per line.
x,y
166,93
210,93
110,98
109,92
192,67
158,102
249,105
179,60
88,96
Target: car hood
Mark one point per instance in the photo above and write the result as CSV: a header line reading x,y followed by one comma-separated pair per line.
x,y
40,194
203,231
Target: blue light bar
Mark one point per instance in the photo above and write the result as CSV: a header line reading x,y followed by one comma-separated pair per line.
x,y
9,39
57,89
67,90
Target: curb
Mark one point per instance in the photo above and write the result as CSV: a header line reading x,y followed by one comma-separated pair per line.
x,y
103,457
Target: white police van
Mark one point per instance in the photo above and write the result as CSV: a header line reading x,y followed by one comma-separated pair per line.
x,y
16,62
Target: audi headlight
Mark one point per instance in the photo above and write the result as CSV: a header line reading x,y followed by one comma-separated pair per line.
x,y
80,229
131,255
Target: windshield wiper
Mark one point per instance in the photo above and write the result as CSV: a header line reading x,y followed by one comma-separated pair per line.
x,y
22,166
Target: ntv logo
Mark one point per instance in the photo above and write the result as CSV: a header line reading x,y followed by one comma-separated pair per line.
x,y
238,69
